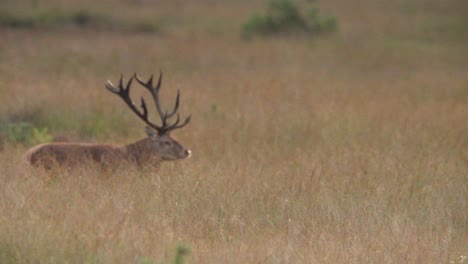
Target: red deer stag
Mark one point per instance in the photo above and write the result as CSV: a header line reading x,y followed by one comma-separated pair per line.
x,y
158,146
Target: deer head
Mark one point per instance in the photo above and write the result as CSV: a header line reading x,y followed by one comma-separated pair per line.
x,y
162,144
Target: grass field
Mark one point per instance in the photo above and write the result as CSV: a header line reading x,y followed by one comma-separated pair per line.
x,y
350,147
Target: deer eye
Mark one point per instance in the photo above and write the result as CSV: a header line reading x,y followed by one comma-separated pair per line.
x,y
167,143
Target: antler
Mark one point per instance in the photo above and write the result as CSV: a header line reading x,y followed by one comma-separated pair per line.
x,y
124,93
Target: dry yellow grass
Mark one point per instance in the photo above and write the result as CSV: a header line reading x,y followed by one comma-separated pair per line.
x,y
346,149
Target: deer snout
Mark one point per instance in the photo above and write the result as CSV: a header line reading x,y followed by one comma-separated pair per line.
x,y
188,153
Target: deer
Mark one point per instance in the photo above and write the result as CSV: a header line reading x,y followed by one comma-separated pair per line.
x,y
157,147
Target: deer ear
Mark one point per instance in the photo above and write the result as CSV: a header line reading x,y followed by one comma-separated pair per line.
x,y
150,132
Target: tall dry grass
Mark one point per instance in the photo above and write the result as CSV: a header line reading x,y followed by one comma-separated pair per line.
x,y
351,148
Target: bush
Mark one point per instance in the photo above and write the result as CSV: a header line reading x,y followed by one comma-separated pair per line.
x,y
260,24
8,20
286,14
319,24
283,16
59,19
26,133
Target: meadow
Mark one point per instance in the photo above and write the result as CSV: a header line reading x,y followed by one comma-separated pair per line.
x,y
351,147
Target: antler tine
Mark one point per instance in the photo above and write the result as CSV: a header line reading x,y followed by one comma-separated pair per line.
x,y
110,86
149,83
127,87
159,81
154,92
145,109
121,82
176,106
176,125
124,93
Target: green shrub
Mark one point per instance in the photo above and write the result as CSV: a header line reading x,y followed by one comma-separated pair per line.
x,y
26,133
33,125
51,19
260,24
9,253
181,254
285,13
9,20
319,24
57,19
283,16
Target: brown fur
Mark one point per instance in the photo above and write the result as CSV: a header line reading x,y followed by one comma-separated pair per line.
x,y
140,153
73,154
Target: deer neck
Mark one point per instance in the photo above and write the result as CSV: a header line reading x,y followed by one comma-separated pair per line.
x,y
141,151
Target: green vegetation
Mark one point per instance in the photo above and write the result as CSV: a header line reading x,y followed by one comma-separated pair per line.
x,y
11,254
283,16
8,253
26,133
32,126
182,253
60,19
